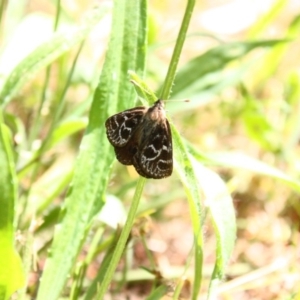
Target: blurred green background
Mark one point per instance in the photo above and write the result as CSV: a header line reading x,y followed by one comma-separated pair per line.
x,y
240,67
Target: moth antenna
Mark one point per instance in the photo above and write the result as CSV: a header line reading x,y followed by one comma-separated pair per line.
x,y
176,100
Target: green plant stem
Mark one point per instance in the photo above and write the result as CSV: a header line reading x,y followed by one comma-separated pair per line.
x,y
166,91
122,240
133,208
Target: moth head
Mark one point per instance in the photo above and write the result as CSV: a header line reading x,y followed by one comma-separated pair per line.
x,y
157,111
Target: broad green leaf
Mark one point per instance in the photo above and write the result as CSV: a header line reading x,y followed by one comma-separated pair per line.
x,y
45,54
220,209
11,270
86,197
188,177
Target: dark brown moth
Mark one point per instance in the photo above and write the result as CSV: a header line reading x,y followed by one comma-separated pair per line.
x,y
142,137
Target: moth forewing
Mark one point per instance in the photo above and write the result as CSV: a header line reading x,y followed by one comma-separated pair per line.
x,y
120,127
142,137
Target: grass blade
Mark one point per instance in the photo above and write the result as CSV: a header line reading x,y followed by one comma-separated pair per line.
x,y
45,54
87,194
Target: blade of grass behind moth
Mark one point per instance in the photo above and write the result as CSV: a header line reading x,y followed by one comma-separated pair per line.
x,y
200,182
91,173
186,172
219,207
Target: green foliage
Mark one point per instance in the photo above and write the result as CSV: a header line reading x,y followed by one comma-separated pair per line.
x,y
57,187
12,274
90,179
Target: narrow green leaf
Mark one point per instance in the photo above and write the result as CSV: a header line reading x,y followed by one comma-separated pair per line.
x,y
126,52
187,174
267,19
142,89
203,76
11,270
66,129
273,58
215,60
243,161
47,53
158,293
256,123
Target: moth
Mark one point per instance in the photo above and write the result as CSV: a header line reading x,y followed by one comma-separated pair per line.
x,y
141,137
